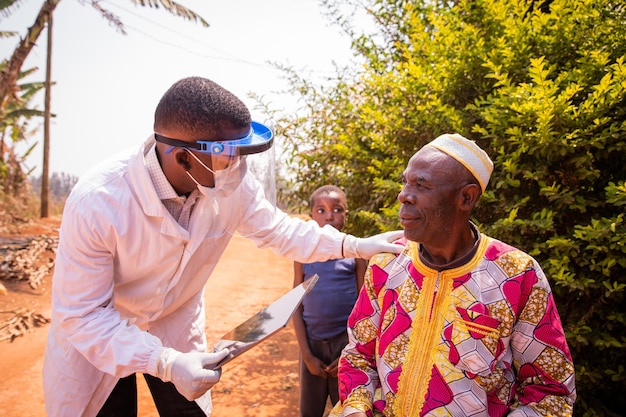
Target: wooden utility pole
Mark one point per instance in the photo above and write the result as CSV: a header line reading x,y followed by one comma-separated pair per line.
x,y
45,175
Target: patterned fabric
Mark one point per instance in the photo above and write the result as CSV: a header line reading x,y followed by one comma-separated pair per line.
x,y
488,341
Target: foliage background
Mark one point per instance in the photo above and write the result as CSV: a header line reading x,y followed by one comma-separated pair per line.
x,y
541,86
16,125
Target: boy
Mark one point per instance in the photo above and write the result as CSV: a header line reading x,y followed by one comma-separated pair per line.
x,y
320,322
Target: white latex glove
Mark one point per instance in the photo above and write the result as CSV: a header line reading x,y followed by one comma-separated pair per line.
x,y
191,373
366,247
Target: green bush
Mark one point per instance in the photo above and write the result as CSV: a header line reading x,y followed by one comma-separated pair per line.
x,y
541,86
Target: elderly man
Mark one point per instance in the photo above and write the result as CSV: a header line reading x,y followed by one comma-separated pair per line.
x,y
459,323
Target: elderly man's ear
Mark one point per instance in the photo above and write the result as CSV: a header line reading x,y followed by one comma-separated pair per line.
x,y
468,196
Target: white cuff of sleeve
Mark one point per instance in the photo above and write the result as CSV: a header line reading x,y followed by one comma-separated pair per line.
x,y
165,362
349,247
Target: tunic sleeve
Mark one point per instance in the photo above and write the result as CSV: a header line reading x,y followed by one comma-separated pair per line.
x,y
545,371
359,383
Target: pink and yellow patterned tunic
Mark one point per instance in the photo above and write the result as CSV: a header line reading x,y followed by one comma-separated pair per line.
x,y
482,339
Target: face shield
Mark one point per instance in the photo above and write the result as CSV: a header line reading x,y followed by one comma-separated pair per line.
x,y
238,177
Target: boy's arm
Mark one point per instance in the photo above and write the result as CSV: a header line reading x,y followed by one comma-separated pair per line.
x,y
313,364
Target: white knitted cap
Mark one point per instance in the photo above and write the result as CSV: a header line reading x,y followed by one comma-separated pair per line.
x,y
467,153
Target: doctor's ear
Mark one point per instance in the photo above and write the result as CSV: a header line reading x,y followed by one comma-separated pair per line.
x,y
182,159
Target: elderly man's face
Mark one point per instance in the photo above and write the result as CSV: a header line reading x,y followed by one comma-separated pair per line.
x,y
427,197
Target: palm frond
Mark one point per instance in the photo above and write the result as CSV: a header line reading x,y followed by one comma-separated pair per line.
x,y
7,34
28,90
169,6
173,8
8,6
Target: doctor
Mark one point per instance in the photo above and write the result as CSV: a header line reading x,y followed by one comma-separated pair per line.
x,y
141,234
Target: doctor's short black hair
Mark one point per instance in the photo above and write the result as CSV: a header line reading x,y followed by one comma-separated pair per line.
x,y
200,107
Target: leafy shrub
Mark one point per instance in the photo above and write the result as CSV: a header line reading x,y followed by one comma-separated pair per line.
x,y
541,85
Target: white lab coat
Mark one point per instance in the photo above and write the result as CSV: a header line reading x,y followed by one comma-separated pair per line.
x,y
129,279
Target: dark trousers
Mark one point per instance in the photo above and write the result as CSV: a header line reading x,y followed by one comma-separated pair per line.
x,y
315,391
122,401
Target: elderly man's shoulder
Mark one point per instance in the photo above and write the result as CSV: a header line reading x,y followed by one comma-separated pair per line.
x,y
504,253
383,259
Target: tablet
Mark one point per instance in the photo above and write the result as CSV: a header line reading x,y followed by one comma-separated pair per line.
x,y
264,323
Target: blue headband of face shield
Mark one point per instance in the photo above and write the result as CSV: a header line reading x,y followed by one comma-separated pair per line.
x,y
259,139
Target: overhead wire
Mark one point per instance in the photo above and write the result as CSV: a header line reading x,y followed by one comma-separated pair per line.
x,y
225,56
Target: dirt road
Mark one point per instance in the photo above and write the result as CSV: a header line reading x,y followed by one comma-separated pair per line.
x,y
263,382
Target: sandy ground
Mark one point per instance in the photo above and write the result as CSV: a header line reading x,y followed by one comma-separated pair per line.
x,y
263,382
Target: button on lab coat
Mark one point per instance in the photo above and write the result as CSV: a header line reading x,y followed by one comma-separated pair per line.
x,y
129,279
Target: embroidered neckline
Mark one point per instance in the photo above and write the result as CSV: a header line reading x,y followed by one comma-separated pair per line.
x,y
420,358
428,320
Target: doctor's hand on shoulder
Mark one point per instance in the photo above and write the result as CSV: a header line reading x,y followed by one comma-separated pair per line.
x,y
366,247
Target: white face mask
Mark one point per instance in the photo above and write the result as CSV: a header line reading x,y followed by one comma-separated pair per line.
x,y
226,180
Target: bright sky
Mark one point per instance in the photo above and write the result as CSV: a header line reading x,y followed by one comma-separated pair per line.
x,y
108,84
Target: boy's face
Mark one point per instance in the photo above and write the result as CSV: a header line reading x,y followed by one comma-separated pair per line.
x,y
329,209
